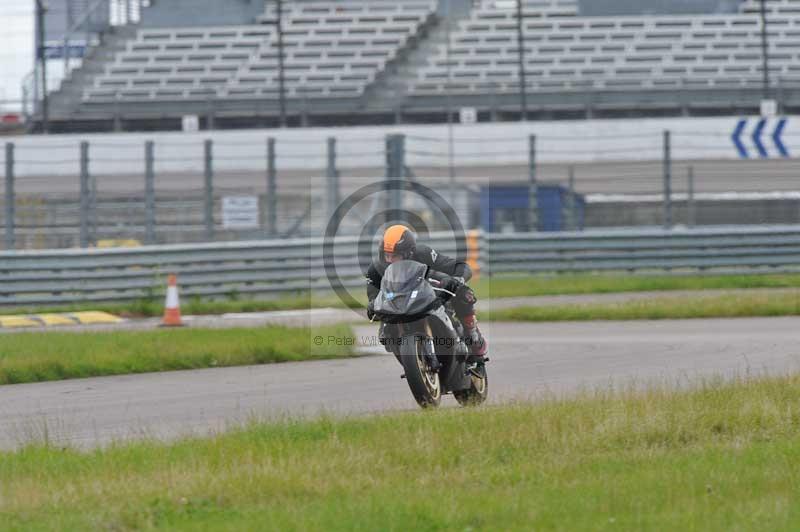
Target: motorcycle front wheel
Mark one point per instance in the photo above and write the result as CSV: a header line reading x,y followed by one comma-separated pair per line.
x,y
478,390
423,381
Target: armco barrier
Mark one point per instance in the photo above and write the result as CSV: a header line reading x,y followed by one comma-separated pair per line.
x,y
61,277
734,248
297,265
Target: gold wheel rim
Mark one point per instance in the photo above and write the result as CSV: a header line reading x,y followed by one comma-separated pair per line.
x,y
431,377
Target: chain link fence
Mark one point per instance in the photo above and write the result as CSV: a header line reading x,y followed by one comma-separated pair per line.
x,y
115,190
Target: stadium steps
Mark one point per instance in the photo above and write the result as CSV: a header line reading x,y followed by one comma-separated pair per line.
x,y
66,101
389,91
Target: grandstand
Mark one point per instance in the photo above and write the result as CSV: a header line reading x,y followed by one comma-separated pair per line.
x,y
331,51
565,52
606,8
361,61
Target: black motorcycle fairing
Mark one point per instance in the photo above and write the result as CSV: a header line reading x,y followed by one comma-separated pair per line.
x,y
405,293
444,328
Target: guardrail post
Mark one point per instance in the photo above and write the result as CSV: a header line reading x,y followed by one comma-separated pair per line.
x,y
399,170
690,205
389,156
10,196
272,201
93,209
332,180
533,187
208,215
85,199
571,216
149,195
395,171
667,181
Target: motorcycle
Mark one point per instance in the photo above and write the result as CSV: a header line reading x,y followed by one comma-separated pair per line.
x,y
420,327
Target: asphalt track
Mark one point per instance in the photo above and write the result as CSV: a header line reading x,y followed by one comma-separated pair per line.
x,y
527,360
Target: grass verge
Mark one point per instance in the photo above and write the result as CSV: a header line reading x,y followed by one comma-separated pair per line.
x,y
685,307
543,285
496,287
725,456
32,357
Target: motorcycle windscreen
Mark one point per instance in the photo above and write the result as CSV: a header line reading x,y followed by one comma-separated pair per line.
x,y
404,290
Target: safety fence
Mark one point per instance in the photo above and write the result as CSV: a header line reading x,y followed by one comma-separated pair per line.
x,y
308,266
775,248
70,192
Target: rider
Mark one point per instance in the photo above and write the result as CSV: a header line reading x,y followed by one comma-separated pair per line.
x,y
400,243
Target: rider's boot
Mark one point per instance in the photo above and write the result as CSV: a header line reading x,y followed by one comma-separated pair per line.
x,y
475,340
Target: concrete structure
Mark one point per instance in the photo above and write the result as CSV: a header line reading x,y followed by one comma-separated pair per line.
x,y
358,62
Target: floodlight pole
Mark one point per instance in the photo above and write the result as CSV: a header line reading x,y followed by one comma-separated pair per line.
x,y
450,141
281,79
765,49
523,100
42,59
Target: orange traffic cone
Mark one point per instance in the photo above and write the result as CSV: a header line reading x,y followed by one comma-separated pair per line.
x,y
172,307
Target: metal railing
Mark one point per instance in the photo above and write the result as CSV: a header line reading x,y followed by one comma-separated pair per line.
x,y
775,248
297,266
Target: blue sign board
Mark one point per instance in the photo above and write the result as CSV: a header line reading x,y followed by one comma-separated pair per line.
x,y
509,203
56,50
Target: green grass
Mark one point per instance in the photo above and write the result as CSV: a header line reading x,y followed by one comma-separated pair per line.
x,y
662,307
721,457
541,285
32,357
485,288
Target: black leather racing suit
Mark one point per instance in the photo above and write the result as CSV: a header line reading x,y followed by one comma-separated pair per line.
x,y
464,300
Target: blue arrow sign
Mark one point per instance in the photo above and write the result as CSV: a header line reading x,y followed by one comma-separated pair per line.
x,y
737,139
758,138
776,138
762,151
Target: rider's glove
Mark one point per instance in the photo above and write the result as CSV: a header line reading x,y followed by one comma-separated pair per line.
x,y
452,284
371,311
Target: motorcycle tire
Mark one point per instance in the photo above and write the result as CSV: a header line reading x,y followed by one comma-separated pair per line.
x,y
478,390
425,384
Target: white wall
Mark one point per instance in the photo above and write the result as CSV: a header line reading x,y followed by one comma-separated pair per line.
x,y
427,146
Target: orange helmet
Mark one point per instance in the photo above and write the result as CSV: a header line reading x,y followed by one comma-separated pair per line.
x,y
400,240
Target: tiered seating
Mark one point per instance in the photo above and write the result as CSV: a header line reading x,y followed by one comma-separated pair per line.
x,y
566,52
178,63
777,7
331,49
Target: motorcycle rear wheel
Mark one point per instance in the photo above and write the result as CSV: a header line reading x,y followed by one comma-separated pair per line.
x,y
424,383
